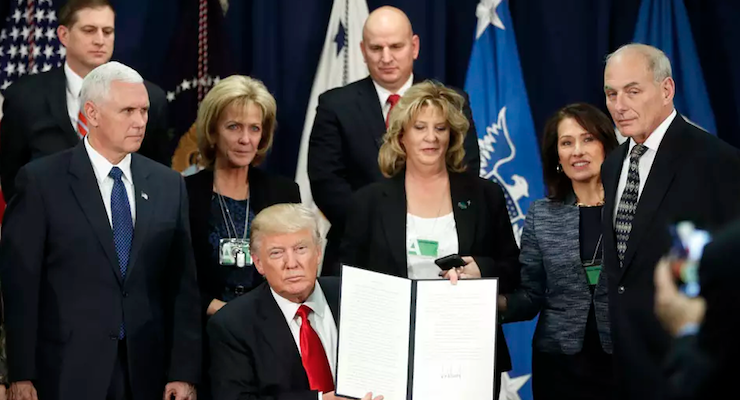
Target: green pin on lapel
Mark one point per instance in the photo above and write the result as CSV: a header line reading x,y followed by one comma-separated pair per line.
x,y
463,204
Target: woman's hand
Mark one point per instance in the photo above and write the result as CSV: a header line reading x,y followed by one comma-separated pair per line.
x,y
469,271
215,305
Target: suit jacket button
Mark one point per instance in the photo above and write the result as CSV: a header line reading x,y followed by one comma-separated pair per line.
x,y
112,336
620,290
125,294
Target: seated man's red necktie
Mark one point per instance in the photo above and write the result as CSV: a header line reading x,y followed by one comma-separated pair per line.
x,y
392,100
81,125
313,355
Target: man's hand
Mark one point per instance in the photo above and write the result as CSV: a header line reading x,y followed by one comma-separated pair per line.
x,y
22,390
674,309
181,391
332,396
468,271
3,394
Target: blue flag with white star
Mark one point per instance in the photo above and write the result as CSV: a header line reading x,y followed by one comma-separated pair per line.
x,y
509,151
665,25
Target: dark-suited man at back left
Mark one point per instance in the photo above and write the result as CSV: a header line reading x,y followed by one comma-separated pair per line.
x,y
668,171
279,341
351,121
99,282
43,113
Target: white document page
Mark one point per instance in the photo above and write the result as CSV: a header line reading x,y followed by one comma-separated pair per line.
x,y
455,340
374,322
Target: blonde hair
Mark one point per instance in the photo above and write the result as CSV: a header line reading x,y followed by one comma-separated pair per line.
x,y
392,155
240,91
281,219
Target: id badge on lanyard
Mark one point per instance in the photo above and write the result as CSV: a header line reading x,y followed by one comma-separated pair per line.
x,y
234,252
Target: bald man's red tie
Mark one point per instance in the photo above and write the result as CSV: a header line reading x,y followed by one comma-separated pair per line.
x,y
81,125
392,100
313,355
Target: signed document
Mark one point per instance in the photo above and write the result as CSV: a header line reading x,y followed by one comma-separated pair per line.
x,y
409,340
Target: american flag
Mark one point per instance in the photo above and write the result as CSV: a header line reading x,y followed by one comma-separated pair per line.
x,y
28,45
28,41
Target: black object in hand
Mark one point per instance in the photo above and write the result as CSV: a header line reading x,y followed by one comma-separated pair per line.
x,y
446,263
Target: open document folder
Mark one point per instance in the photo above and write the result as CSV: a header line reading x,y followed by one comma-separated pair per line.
x,y
410,340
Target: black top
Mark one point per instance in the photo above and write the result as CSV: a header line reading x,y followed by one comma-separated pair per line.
x,y
590,233
237,280
264,191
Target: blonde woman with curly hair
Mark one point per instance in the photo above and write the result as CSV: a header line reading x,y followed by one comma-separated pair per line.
x,y
235,127
428,208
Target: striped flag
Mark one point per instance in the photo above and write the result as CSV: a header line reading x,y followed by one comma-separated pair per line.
x,y
28,45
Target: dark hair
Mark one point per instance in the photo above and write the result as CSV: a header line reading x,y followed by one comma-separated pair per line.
x,y
592,120
68,12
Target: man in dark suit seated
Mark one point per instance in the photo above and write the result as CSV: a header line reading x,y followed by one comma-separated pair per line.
x,y
702,363
351,120
96,262
668,171
42,113
279,341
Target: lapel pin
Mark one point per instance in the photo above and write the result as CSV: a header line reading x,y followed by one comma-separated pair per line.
x,y
144,196
463,204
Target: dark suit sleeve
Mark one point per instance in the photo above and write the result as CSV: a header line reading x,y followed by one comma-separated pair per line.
x,y
327,171
21,266
472,152
13,148
687,369
295,194
527,300
354,245
185,364
156,145
503,259
233,374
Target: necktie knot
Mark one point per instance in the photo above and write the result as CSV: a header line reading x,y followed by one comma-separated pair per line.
x,y
303,312
115,173
393,99
638,151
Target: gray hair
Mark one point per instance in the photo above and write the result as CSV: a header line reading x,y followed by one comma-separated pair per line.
x,y
657,62
96,85
281,219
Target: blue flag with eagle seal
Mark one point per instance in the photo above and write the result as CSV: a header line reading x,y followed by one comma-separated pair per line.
x,y
509,152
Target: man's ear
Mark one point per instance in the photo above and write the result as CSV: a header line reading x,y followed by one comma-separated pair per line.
x,y
63,35
92,113
258,264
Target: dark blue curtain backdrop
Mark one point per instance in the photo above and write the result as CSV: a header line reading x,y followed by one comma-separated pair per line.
x,y
561,43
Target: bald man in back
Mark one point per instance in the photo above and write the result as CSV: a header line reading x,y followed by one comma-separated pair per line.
x,y
351,120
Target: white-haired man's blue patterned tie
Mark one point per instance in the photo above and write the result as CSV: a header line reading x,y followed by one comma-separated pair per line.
x,y
628,203
123,226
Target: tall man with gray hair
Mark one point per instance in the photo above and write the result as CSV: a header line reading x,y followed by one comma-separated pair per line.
x,y
96,263
668,171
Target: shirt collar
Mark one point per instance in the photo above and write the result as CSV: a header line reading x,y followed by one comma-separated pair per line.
x,y
74,81
384,93
102,167
316,301
653,141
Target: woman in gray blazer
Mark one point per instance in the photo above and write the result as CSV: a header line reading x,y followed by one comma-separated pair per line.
x,y
561,254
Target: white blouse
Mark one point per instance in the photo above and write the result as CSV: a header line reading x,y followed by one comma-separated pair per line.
x,y
428,239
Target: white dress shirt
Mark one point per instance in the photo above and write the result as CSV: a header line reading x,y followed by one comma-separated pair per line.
x,y
384,93
646,161
101,167
74,85
322,321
